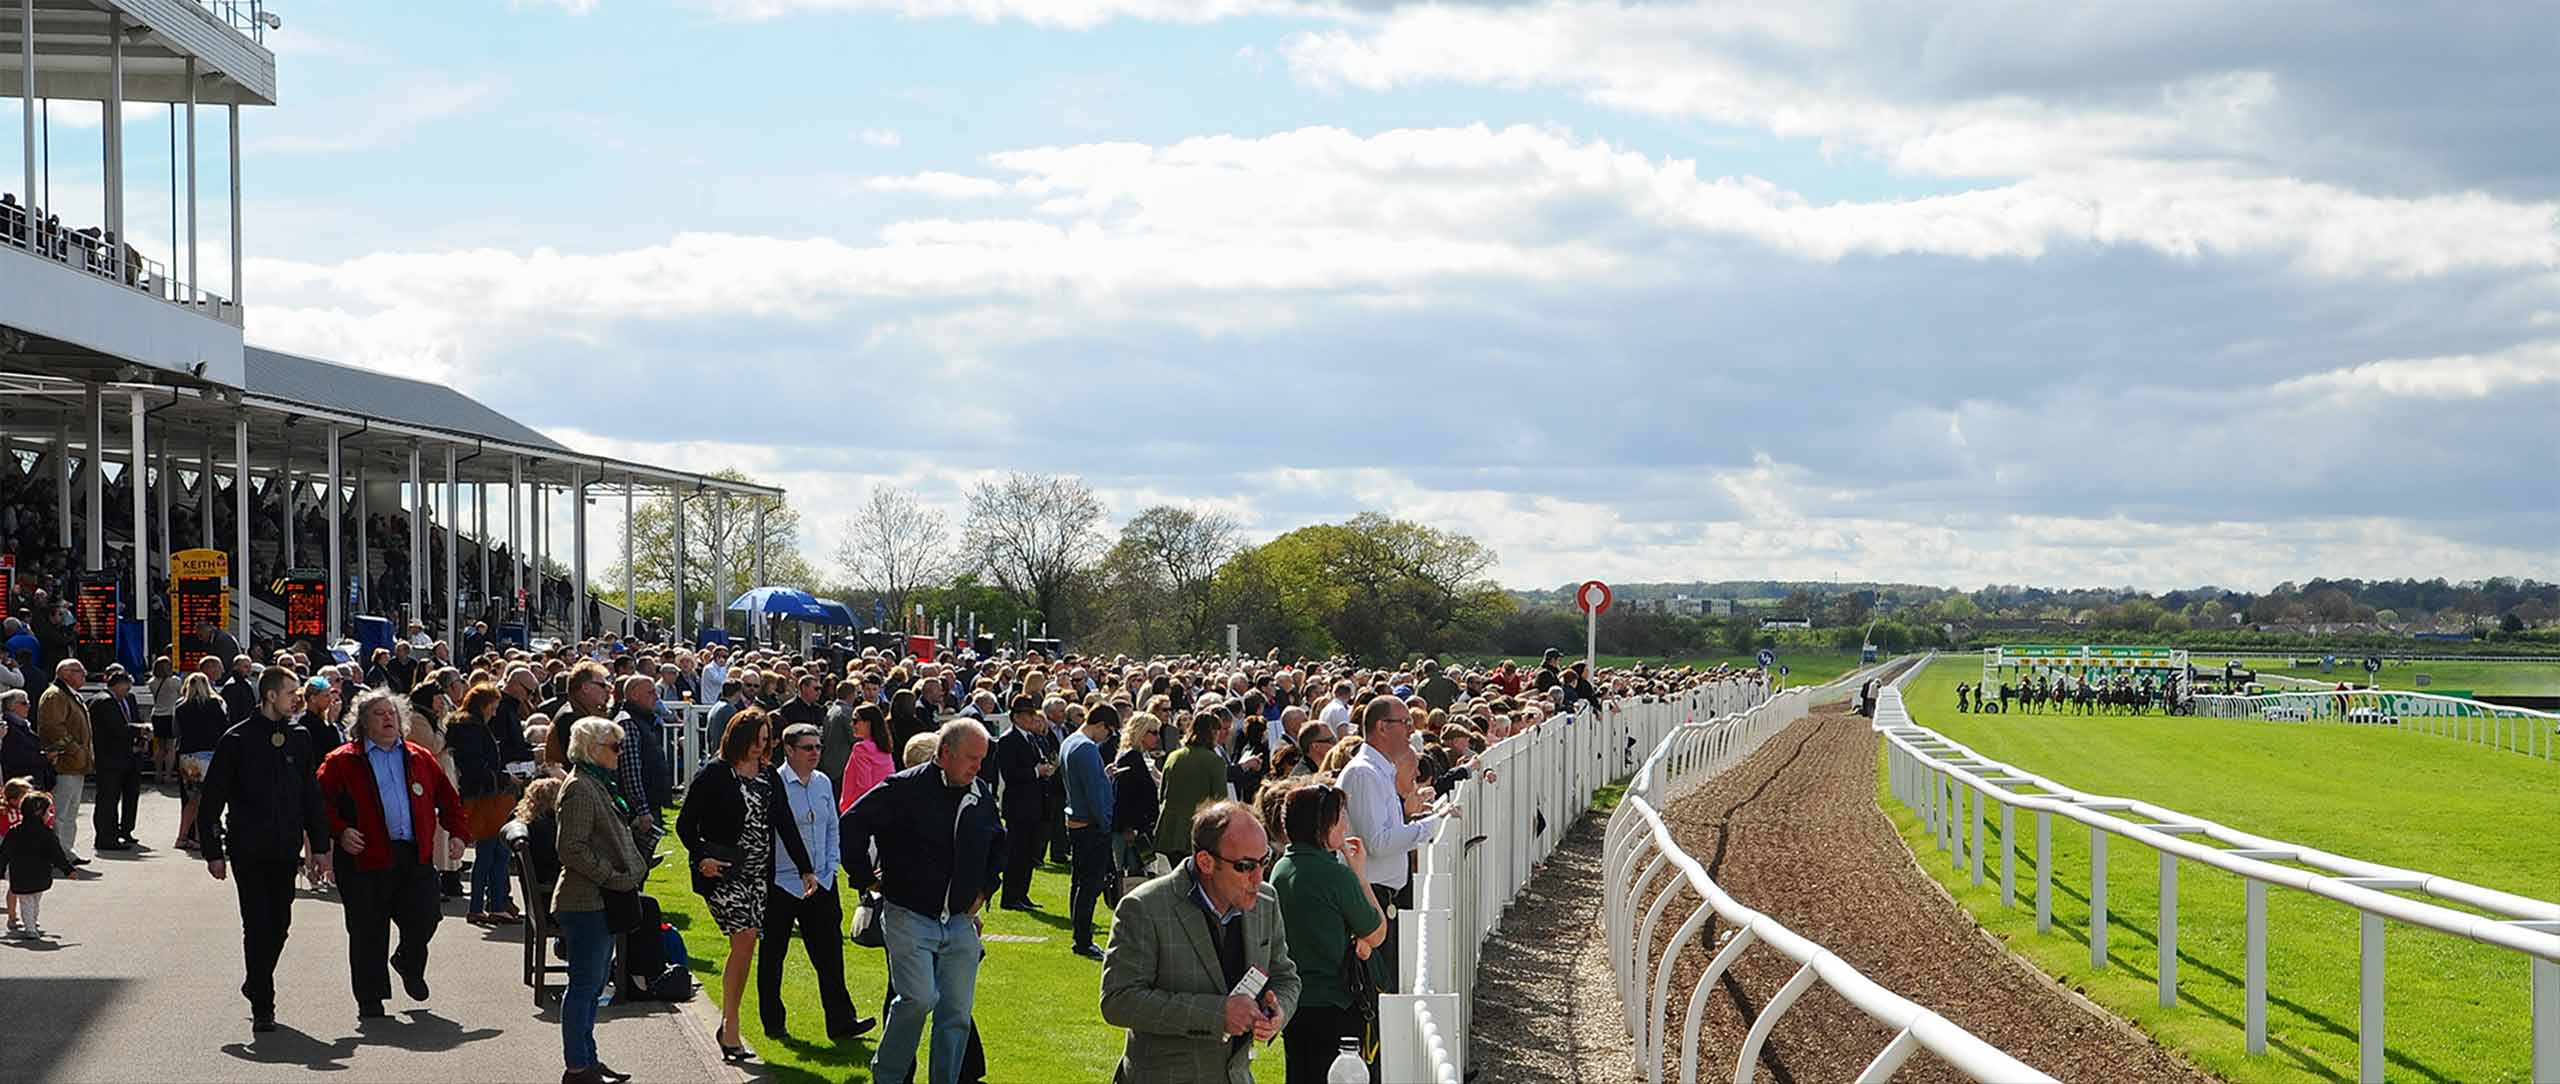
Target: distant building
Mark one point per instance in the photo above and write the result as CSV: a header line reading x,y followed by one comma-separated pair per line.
x,y
1767,623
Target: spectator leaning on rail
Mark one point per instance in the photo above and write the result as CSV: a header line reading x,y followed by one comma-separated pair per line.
x,y
941,850
1377,814
1181,944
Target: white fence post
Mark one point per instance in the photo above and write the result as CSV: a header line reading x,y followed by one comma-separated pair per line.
x,y
2168,933
2097,898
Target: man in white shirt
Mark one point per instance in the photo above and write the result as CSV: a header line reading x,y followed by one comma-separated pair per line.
x,y
807,852
1337,711
715,675
1376,813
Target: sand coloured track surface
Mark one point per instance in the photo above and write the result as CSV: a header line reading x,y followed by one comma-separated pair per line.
x,y
1793,831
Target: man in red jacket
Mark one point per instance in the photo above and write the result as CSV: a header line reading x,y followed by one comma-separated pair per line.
x,y
385,797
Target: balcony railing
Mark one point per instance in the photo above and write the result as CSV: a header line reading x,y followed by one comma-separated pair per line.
x,y
89,250
246,16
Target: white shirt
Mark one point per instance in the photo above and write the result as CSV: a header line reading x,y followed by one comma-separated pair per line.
x,y
714,676
811,805
1336,714
1376,816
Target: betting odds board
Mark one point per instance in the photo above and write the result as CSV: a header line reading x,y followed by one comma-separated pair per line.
x,y
306,604
199,591
93,619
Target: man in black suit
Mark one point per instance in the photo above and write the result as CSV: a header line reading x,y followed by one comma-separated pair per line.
x,y
112,719
1024,767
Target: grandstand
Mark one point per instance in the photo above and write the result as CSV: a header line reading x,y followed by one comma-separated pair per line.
x,y
371,493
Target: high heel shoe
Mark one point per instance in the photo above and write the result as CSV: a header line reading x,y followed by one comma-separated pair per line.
x,y
736,1055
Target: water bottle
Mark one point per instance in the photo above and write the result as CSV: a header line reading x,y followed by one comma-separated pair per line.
x,y
1347,1066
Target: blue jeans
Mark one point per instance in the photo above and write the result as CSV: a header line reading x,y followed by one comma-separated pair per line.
x,y
489,875
933,965
590,957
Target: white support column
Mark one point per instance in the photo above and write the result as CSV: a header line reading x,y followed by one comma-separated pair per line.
x,y
62,481
235,205
337,588
676,497
111,128
762,505
630,558
138,479
168,481
364,542
480,533
578,551
204,493
417,540
27,109
284,507
515,522
240,527
541,516
452,553
195,278
720,561
95,465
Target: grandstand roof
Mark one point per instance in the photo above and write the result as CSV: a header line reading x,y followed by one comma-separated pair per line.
x,y
328,385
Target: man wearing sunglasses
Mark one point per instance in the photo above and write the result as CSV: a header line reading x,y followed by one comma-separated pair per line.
x,y
1183,946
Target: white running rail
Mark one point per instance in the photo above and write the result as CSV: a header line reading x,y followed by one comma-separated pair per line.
x,y
2498,726
1933,776
1640,854
1539,783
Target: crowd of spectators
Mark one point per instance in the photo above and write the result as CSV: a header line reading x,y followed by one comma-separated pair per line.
x,y
1270,811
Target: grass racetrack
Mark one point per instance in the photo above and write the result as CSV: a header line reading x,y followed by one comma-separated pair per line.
x,y
2456,1010
2538,677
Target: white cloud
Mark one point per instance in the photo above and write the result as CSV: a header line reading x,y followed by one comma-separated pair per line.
x,y
878,137
1058,13
2467,376
939,185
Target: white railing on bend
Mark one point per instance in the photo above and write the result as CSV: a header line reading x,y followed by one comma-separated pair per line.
x,y
2499,726
1526,794
1640,852
1932,775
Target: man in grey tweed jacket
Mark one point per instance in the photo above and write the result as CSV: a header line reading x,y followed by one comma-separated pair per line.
x,y
1179,945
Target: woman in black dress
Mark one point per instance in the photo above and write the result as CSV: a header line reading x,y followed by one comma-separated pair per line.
x,y
727,828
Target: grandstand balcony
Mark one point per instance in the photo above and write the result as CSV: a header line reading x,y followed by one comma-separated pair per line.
x,y
85,291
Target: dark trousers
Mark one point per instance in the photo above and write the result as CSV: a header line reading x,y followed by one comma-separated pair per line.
x,y
820,919
1385,954
266,915
119,797
1022,845
1053,824
1090,850
1313,1038
404,895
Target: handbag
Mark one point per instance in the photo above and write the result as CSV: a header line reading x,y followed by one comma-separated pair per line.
x,y
866,922
731,854
487,815
621,911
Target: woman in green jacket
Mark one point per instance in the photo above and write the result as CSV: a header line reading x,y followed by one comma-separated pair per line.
x,y
1194,775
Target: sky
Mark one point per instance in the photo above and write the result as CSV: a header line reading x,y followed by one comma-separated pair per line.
x,y
2150,293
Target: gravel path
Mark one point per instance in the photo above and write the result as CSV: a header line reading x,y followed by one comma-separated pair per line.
x,y
1794,831
1545,1010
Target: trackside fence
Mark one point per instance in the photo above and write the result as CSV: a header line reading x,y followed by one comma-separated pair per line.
x,y
2498,726
1528,790
1647,873
1952,789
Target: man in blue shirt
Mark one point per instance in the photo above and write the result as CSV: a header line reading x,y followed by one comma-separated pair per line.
x,y
1088,820
807,853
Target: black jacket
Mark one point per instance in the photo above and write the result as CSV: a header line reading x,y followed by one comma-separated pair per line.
x,y
200,725
715,813
262,776
32,854
476,768
111,722
941,847
239,696
507,725
1017,758
319,735
1133,793
22,754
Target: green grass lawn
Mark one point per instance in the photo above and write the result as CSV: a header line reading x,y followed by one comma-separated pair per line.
x,y
1039,1005
2535,678
2456,1010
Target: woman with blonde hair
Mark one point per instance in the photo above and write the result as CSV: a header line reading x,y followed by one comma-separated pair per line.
x,y
201,721
597,855
424,728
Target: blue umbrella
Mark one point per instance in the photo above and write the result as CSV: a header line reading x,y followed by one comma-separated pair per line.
x,y
837,613
790,602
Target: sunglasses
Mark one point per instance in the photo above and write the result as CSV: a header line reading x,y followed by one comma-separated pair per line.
x,y
804,747
1259,864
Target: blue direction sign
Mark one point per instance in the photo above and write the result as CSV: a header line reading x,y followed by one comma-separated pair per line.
x,y
1768,658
